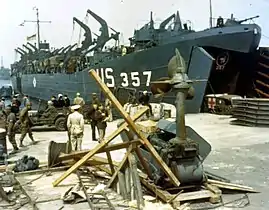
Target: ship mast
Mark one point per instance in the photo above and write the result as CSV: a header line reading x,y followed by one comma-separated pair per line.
x,y
210,14
37,21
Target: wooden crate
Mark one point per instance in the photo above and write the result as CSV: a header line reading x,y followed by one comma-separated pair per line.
x,y
147,126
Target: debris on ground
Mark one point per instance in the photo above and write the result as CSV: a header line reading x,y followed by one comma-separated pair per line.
x,y
26,164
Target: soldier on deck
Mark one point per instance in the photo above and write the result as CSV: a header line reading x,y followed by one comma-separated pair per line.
x,y
220,22
10,122
79,100
123,50
75,125
25,124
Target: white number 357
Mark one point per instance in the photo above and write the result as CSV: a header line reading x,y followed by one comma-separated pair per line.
x,y
130,79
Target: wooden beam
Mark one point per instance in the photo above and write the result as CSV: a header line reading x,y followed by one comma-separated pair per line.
x,y
132,125
121,165
96,149
108,148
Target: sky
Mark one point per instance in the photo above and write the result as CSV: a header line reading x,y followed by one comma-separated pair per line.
x,y
122,15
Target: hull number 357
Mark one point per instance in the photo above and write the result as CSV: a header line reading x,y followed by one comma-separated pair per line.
x,y
135,79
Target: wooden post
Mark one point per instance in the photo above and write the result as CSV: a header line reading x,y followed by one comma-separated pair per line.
x,y
132,125
96,149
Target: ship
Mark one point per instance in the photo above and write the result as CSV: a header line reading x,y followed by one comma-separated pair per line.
x,y
238,64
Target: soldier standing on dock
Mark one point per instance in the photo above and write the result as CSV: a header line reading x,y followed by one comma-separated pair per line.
x,y
79,100
25,124
75,125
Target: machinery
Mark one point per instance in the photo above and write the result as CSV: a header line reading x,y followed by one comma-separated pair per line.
x,y
180,147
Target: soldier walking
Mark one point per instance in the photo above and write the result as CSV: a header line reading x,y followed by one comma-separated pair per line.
x,y
79,100
91,114
75,125
25,124
10,122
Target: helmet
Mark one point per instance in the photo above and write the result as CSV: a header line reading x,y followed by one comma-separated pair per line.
x,y
50,102
78,94
60,95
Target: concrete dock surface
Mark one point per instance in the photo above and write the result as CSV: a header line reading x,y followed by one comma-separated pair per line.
x,y
239,154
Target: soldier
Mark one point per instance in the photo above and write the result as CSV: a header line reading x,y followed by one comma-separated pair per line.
x,y
95,99
66,101
25,100
60,100
101,116
2,104
75,125
108,107
50,111
25,124
144,100
54,101
79,100
10,122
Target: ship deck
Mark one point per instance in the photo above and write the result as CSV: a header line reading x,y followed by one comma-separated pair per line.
x,y
239,154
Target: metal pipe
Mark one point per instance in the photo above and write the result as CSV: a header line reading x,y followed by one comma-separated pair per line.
x,y
180,116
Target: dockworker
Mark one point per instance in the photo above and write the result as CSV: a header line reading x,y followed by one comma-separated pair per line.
x,y
10,122
102,117
108,107
25,100
25,124
2,104
75,125
60,100
79,100
54,101
66,101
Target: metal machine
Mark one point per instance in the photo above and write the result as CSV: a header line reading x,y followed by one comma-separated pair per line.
x,y
182,149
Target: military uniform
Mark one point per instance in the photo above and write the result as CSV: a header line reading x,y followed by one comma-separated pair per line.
x,y
101,116
25,125
108,106
10,122
75,125
50,111
79,101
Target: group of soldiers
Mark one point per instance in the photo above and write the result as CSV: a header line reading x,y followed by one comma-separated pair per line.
x,y
12,116
98,115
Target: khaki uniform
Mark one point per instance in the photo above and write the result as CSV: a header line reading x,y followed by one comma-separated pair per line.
x,y
51,111
108,106
25,125
75,125
11,120
79,101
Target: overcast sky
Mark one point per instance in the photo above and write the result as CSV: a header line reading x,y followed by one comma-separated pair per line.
x,y
122,15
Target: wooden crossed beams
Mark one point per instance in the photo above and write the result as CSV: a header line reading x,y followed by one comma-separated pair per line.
x,y
128,122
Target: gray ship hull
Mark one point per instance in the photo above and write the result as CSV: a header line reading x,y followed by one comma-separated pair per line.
x,y
148,65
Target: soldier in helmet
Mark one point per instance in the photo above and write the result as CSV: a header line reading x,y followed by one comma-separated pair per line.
x,y
25,124
79,100
10,122
50,111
